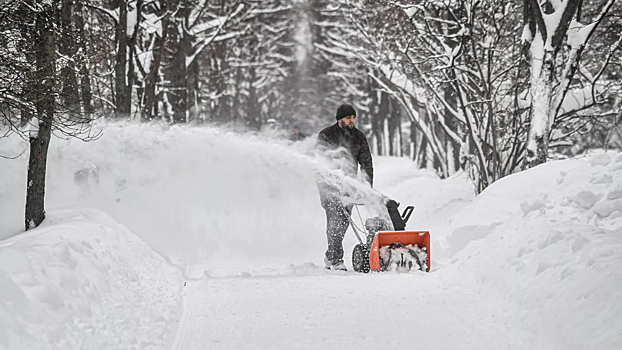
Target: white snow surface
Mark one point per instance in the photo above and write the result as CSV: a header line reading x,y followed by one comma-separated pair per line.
x,y
198,238
82,281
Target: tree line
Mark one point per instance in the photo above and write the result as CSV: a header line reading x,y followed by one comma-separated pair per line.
x,y
490,87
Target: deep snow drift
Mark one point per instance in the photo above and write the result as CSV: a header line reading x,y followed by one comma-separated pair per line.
x,y
549,240
82,281
540,250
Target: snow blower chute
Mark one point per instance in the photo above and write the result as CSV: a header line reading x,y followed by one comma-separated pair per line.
x,y
390,250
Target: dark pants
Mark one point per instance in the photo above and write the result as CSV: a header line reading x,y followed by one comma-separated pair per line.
x,y
337,223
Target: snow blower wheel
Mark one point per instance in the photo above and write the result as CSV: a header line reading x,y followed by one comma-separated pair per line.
x,y
360,258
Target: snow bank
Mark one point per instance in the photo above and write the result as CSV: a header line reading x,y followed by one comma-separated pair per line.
x,y
548,243
82,281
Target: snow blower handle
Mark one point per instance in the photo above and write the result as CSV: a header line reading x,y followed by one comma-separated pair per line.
x,y
407,212
358,231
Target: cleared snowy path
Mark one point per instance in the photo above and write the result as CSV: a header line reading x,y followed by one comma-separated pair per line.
x,y
321,310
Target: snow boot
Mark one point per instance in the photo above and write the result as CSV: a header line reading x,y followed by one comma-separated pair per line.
x,y
339,266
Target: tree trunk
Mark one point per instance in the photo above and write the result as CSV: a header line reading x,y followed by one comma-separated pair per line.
x,y
544,79
85,75
131,73
413,141
150,105
253,119
453,148
67,47
44,102
120,67
236,104
374,110
383,122
193,89
395,128
178,97
540,127
424,162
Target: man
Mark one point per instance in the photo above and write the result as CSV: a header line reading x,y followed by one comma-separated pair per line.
x,y
296,135
347,148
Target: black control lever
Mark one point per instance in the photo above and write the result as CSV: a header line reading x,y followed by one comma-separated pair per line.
x,y
407,212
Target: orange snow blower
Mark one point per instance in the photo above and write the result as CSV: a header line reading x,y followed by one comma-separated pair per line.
x,y
419,239
386,249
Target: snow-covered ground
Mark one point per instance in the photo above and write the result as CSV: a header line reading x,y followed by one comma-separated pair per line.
x,y
198,238
82,281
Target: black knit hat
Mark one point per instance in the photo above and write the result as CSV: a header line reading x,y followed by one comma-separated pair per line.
x,y
345,111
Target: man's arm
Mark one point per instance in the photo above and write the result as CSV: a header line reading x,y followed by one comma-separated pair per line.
x,y
365,160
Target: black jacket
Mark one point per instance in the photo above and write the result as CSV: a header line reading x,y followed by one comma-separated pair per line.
x,y
349,149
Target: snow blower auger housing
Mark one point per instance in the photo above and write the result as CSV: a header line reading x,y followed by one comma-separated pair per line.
x,y
386,249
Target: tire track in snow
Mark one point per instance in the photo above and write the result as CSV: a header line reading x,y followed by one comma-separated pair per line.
x,y
186,314
331,311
